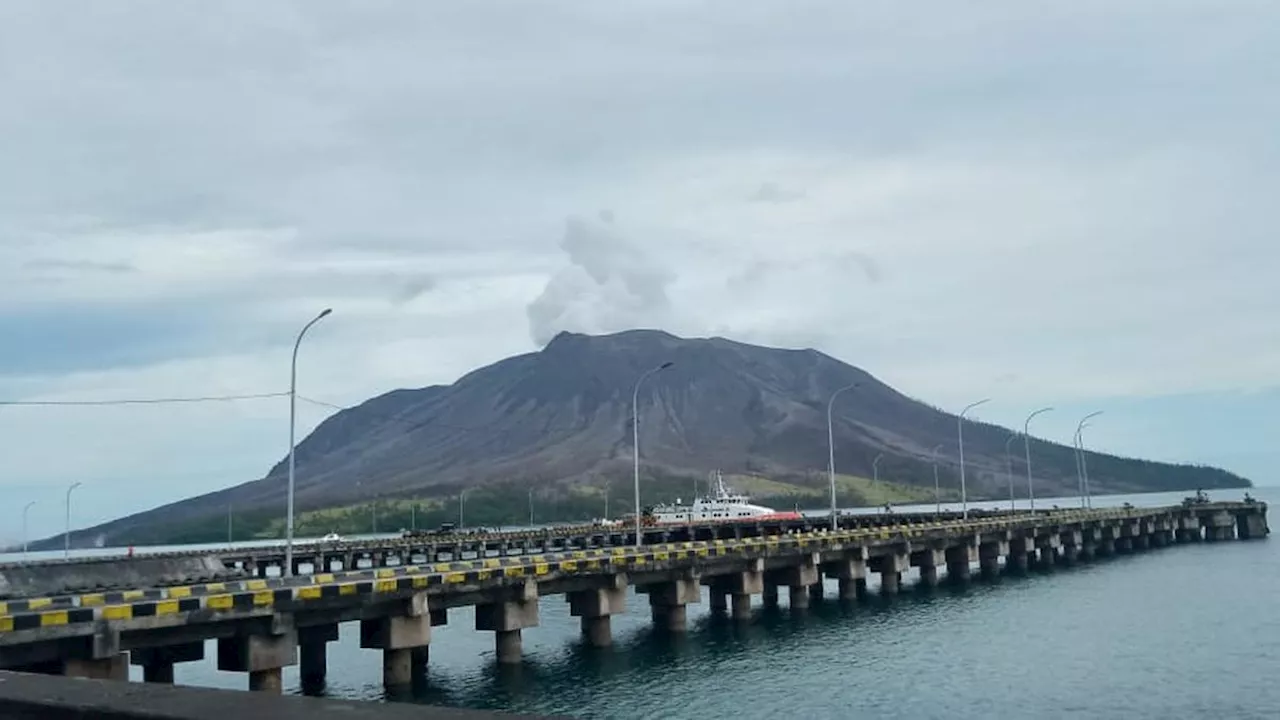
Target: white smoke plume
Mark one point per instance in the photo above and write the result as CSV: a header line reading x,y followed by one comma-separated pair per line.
x,y
610,285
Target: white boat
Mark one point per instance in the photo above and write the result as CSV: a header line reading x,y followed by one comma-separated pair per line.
x,y
723,505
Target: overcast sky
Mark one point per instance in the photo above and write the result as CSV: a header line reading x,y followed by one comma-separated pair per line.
x,y
1048,203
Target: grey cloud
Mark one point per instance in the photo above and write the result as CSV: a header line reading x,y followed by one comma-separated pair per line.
x,y
771,193
63,268
865,263
610,284
841,265
407,290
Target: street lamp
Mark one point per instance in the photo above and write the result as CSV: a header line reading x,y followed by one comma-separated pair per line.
x,y
1084,469
24,526
964,493
293,417
1075,451
635,437
831,450
66,537
462,502
1026,440
875,469
1008,459
937,485
530,507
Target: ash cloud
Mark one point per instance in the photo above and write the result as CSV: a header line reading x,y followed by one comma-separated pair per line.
x,y
610,284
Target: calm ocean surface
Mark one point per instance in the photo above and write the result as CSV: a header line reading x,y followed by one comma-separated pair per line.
x,y
1189,631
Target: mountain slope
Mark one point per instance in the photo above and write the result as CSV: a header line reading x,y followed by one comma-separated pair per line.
x,y
562,417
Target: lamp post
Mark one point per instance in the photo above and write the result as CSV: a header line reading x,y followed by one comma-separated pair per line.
x,y
24,526
462,503
875,469
635,438
293,421
1008,459
937,484
66,537
964,493
1084,468
530,506
1026,440
1075,451
229,506
831,451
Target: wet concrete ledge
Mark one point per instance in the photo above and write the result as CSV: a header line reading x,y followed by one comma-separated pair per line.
x,y
47,697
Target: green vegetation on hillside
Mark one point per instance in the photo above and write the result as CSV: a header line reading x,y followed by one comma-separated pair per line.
x,y
508,505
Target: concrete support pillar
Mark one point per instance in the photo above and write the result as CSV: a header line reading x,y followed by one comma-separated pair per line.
x,y
1220,529
1141,542
115,667
891,567
1047,551
397,667
507,619
928,561
397,637
667,602
959,559
769,598
1070,554
1252,526
598,631
1047,557
1017,563
261,656
742,586
989,554
800,578
421,659
1124,545
850,573
929,575
1021,550
268,680
157,663
816,592
848,588
671,618
595,606
313,653
889,582
509,646
1087,551
720,598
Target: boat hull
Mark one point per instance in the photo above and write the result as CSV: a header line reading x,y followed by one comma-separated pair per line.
x,y
765,517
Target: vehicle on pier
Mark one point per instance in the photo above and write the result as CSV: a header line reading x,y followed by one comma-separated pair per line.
x,y
446,528
723,505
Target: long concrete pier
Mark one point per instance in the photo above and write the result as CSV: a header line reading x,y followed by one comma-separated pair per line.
x,y
265,624
44,578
